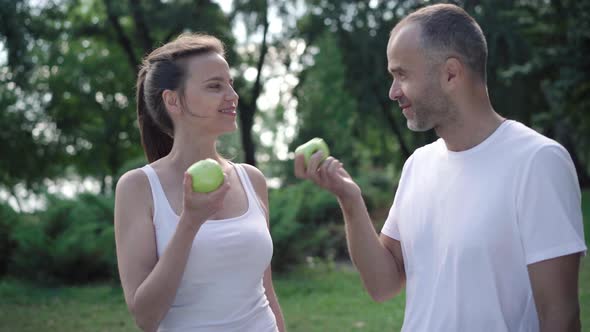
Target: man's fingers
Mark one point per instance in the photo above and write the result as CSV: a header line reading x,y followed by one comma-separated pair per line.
x,y
318,171
329,173
325,166
314,164
332,167
299,166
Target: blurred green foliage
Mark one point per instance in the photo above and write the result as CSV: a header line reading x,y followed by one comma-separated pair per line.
x,y
307,222
8,221
72,241
67,109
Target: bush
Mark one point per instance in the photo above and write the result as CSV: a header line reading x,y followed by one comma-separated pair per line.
x,y
70,242
304,221
30,259
307,222
8,219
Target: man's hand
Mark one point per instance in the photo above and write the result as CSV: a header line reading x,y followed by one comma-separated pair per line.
x,y
330,175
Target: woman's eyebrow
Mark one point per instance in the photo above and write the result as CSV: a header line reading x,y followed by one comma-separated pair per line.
x,y
217,78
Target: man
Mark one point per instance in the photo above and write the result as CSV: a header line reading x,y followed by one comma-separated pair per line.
x,y
485,231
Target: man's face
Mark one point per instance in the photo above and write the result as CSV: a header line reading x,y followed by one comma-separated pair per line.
x,y
416,86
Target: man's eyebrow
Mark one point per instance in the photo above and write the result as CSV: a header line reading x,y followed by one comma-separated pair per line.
x,y
396,69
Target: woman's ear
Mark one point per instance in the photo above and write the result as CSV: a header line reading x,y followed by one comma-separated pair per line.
x,y
171,101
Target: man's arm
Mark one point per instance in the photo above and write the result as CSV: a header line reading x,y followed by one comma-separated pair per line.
x,y
379,261
555,290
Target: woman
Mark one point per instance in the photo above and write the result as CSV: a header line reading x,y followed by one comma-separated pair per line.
x,y
190,261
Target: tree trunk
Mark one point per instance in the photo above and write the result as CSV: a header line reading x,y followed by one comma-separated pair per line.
x,y
246,122
140,25
386,111
248,111
122,38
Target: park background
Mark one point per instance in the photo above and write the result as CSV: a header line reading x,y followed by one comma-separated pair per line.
x,y
302,68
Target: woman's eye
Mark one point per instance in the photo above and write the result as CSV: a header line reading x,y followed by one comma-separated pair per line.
x,y
215,86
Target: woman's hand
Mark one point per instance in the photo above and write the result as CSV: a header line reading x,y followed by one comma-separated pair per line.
x,y
199,207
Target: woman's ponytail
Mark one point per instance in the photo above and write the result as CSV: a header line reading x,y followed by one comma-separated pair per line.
x,y
156,144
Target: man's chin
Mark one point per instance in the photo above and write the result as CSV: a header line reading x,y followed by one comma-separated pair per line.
x,y
418,127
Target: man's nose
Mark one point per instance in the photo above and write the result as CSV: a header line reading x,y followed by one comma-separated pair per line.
x,y
395,92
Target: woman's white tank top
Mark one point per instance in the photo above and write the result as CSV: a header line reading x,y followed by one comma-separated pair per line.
x,y
221,289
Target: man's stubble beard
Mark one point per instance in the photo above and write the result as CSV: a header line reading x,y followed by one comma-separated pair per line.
x,y
431,110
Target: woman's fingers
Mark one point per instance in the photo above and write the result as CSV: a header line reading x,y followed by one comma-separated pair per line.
x,y
187,183
220,192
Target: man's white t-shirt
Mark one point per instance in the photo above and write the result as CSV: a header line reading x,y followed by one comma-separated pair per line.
x,y
470,222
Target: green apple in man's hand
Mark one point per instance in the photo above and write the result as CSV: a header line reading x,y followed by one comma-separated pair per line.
x,y
312,146
207,175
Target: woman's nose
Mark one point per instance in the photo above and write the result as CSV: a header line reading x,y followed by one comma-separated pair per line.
x,y
232,94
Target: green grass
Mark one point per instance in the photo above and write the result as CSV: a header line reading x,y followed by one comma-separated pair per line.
x,y
319,299
313,300
334,300
25,307
586,214
322,299
584,284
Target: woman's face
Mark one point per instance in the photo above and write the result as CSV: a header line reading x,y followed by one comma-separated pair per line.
x,y
210,101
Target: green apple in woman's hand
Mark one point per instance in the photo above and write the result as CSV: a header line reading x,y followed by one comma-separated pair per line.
x,y
207,175
311,147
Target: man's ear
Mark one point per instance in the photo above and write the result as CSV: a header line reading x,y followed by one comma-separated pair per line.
x,y
171,101
453,74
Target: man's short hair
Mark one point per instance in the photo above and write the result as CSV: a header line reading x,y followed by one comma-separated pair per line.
x,y
447,30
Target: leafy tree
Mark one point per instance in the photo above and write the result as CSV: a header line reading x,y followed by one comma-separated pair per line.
x,y
263,56
325,108
70,76
255,17
558,32
30,151
361,31
537,67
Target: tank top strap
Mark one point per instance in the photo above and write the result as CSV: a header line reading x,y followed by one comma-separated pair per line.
x,y
253,200
158,195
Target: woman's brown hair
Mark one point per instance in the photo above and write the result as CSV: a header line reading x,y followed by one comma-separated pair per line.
x,y
165,69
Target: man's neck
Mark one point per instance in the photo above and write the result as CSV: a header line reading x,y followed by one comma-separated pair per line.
x,y
469,128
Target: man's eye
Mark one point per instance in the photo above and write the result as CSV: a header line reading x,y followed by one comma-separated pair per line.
x,y
215,86
398,76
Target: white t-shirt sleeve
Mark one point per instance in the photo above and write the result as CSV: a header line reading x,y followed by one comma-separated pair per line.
x,y
390,227
548,206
